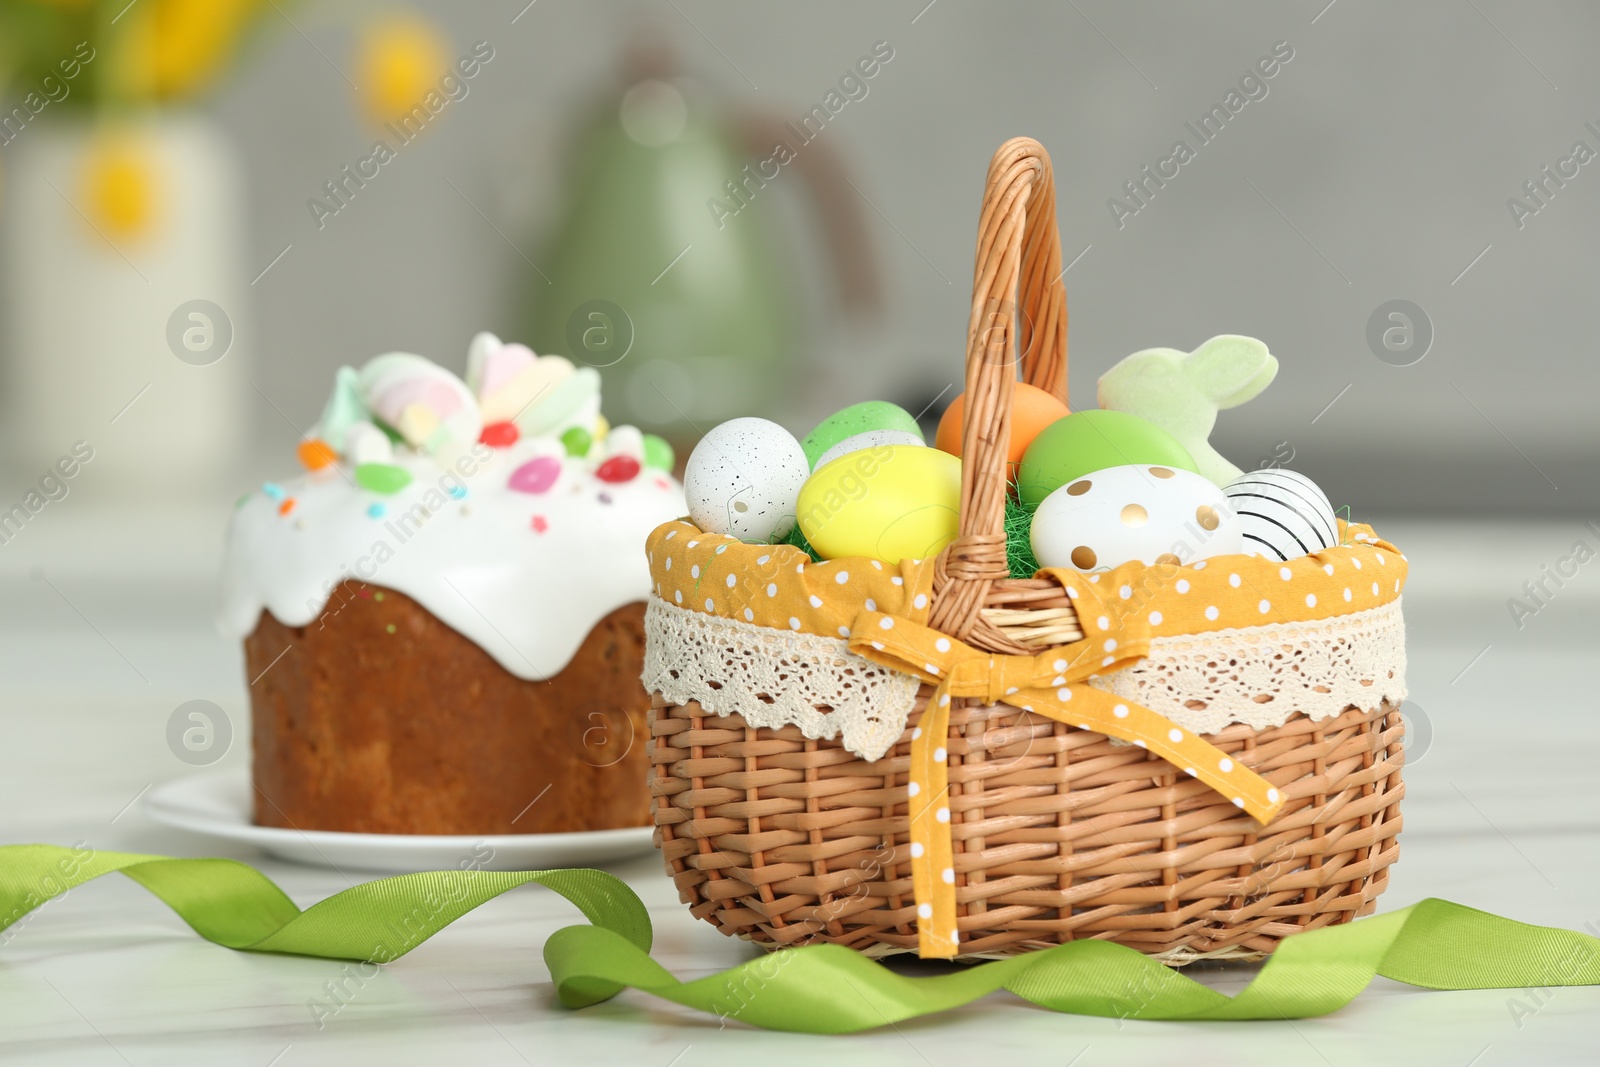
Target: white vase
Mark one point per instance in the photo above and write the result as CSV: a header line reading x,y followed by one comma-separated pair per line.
x,y
87,309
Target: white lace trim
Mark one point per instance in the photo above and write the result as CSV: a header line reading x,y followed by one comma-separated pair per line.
x,y
1260,676
775,678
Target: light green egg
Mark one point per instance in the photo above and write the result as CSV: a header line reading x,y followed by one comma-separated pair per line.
x,y
857,418
1089,441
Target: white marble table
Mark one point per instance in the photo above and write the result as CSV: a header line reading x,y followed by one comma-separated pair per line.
x,y
93,662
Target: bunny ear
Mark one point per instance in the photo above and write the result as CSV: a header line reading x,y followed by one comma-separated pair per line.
x,y
1231,369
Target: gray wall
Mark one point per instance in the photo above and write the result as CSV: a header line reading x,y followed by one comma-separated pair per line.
x,y
1377,168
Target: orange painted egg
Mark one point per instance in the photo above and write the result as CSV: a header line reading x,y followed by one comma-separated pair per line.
x,y
1032,409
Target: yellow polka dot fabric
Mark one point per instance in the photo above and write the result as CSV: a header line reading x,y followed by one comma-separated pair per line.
x,y
780,586
882,610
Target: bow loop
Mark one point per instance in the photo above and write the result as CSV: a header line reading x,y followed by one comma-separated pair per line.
x,y
1054,684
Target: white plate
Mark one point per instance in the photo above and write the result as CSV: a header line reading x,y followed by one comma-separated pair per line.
x,y
217,804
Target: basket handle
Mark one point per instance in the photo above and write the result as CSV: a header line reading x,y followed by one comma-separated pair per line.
x,y
1018,266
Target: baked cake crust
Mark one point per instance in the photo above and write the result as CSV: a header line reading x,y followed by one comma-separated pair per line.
x,y
379,718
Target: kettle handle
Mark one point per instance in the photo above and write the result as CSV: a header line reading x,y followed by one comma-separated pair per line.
x,y
838,205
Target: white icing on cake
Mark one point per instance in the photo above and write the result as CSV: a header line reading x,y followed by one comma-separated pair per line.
x,y
524,575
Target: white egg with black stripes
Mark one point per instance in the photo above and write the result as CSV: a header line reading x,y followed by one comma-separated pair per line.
x,y
1283,513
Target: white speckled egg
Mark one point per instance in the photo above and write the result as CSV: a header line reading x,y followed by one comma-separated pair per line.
x,y
1283,513
744,478
867,439
1139,512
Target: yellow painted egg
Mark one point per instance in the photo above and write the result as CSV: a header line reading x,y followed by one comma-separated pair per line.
x,y
888,502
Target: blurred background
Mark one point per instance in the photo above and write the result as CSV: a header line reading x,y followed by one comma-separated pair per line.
x,y
207,206
214,150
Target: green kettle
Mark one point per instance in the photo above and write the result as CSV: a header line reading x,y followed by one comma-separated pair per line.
x,y
669,270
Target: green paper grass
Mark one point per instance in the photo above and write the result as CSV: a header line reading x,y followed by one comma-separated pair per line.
x,y
798,540
1019,548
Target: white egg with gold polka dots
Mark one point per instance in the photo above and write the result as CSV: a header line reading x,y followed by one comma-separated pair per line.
x,y
1138,512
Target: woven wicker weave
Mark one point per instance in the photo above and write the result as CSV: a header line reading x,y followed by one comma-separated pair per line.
x,y
1060,833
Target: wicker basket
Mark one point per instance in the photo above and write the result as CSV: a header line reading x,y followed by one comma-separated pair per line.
x,y
1057,833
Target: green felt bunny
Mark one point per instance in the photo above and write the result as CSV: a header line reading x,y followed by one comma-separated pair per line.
x,y
1182,391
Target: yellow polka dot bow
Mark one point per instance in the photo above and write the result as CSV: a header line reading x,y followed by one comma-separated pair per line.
x,y
1053,684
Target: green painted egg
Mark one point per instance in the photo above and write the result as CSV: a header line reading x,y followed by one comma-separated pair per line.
x,y
1094,440
857,418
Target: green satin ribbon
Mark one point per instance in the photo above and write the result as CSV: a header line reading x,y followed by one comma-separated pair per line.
x,y
821,988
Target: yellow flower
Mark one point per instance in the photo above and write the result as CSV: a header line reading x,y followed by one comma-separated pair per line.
x,y
399,61
119,186
174,49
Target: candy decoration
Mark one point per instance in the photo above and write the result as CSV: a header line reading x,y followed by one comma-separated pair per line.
x,y
382,477
1032,409
287,506
618,469
857,418
577,441
890,503
536,476
376,510
1183,391
315,454
458,492
540,524
1088,441
868,439
500,434
1153,514
743,479
657,453
273,490
1283,514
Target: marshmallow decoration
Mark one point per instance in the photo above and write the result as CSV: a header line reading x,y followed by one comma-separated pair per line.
x,y
365,443
542,395
420,400
1284,514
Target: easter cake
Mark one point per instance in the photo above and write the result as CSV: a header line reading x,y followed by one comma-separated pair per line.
x,y
1060,674
442,614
